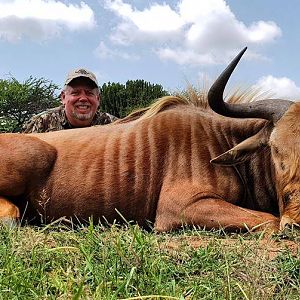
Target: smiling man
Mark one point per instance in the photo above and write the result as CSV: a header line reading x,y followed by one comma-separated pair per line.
x,y
80,102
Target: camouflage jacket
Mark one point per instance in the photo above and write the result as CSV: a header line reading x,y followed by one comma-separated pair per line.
x,y
55,119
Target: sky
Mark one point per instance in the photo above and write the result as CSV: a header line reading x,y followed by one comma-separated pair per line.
x,y
173,43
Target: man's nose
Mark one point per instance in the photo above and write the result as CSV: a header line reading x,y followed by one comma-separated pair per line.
x,y
83,95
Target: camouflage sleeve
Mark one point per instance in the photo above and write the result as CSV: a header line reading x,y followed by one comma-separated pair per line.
x,y
35,124
104,118
52,119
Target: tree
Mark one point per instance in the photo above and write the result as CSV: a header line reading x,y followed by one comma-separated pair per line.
x,y
119,99
20,101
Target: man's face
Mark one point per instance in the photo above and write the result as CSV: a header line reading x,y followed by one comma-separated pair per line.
x,y
81,100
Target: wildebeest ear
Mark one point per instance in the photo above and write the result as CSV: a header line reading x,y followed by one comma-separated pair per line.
x,y
244,150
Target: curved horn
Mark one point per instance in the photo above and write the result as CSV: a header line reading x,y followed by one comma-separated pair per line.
x,y
269,109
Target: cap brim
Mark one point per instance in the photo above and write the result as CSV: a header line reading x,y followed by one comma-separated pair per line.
x,y
69,80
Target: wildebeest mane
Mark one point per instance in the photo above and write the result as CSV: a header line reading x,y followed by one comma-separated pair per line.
x,y
192,97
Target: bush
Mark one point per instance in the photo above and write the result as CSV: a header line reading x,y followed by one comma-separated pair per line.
x,y
20,101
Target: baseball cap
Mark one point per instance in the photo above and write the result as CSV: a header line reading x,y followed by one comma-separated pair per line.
x,y
81,73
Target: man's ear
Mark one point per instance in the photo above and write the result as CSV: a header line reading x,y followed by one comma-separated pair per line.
x,y
244,150
63,96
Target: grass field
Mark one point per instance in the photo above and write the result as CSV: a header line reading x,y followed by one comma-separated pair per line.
x,y
95,262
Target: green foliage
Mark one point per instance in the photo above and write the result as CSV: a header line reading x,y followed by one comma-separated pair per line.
x,y
20,101
119,99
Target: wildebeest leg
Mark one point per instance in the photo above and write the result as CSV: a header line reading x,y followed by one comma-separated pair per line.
x,y
26,162
185,205
8,211
215,213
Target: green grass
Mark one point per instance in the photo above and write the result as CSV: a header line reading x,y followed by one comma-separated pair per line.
x,y
95,262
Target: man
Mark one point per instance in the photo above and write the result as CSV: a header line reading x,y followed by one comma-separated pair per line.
x,y
80,101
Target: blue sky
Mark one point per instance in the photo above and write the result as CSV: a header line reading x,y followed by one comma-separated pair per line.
x,y
172,43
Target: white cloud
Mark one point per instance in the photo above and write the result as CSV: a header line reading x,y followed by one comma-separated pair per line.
x,y
280,87
156,18
195,31
263,31
42,19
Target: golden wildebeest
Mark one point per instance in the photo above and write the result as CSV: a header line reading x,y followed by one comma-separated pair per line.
x,y
158,167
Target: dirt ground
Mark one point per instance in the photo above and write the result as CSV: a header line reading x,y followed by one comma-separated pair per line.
x,y
268,247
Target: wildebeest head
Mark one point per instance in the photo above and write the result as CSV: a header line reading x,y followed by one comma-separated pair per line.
x,y
281,133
